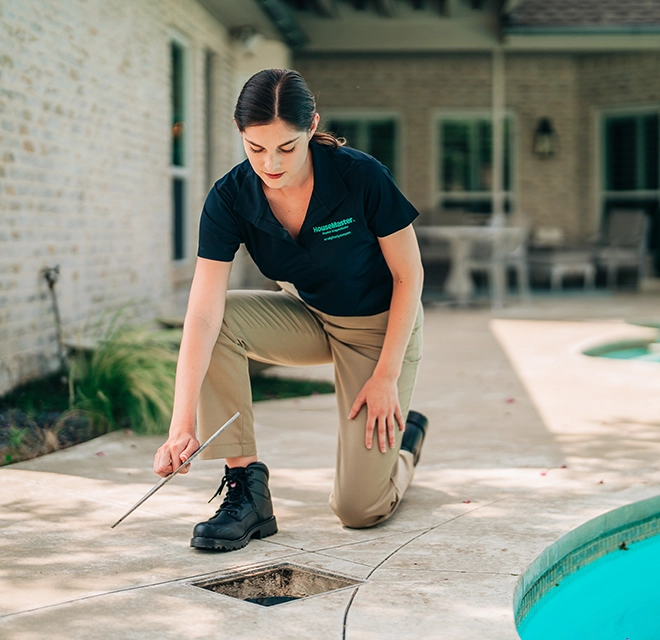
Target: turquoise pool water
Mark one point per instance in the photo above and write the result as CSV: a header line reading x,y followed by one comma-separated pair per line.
x,y
625,354
630,350
616,597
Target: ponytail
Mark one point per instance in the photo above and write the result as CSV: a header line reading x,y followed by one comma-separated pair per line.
x,y
328,139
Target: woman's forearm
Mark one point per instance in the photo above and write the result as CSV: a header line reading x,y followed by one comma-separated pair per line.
x,y
401,253
194,356
403,311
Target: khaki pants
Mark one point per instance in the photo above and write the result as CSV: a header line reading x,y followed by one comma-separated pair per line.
x,y
279,328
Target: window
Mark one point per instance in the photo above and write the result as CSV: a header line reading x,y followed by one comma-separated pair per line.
x,y
178,105
178,217
179,161
631,144
465,168
376,136
631,170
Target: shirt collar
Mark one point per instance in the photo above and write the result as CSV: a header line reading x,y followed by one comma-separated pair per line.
x,y
329,186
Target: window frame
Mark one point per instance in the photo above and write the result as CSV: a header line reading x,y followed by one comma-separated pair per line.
x,y
622,112
471,115
182,172
365,115
210,60
603,198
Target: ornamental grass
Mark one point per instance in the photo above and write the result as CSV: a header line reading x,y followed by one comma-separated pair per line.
x,y
127,380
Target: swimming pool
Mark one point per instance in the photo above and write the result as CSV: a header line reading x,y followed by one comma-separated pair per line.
x,y
630,349
605,587
627,350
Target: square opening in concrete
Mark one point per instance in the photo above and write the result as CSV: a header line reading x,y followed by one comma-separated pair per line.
x,y
276,584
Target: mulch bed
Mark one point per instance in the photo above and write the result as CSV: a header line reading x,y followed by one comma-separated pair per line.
x,y
24,436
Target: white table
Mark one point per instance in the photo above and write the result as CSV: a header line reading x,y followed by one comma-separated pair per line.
x,y
461,240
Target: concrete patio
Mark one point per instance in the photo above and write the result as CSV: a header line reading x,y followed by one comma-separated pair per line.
x,y
528,439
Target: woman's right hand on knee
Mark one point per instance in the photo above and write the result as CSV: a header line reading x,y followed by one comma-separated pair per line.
x,y
176,450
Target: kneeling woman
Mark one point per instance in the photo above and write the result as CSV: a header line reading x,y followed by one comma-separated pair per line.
x,y
330,221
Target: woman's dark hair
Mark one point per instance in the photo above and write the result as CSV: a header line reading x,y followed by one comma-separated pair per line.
x,y
283,94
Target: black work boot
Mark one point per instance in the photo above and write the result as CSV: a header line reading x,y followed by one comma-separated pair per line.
x,y
245,513
413,436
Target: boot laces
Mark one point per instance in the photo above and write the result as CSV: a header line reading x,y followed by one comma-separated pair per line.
x,y
237,492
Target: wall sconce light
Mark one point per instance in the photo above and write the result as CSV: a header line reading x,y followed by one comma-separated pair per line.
x,y
545,139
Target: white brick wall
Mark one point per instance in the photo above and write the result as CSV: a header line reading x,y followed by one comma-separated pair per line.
x,y
84,162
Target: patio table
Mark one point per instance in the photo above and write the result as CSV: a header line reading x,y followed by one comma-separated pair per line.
x,y
461,239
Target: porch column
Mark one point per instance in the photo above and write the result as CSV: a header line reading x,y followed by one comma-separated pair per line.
x,y
497,108
498,273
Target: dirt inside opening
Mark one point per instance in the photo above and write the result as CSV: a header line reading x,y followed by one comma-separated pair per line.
x,y
277,584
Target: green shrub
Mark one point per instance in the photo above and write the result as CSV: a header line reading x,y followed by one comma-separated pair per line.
x,y
127,380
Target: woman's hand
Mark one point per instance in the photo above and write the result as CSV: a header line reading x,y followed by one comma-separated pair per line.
x,y
176,450
383,411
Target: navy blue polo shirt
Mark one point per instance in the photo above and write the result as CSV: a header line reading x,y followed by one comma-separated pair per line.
x,y
336,263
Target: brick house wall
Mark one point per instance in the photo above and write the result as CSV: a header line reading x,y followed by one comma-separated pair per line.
x,y
548,188
85,154
559,191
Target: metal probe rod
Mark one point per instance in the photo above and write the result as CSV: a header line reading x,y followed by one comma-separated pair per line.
x,y
165,480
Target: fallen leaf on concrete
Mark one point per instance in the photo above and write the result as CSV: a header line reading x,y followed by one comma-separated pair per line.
x,y
544,473
467,501
100,453
509,399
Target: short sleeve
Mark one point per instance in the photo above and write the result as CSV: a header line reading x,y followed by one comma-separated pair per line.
x,y
386,209
219,234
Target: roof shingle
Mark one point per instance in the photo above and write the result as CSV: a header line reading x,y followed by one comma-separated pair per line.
x,y
585,13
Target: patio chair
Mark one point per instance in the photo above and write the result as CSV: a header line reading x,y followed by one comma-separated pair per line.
x,y
512,250
624,243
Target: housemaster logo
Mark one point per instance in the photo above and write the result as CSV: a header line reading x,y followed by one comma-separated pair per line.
x,y
335,230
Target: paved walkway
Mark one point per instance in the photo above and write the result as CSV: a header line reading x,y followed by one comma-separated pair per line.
x,y
528,439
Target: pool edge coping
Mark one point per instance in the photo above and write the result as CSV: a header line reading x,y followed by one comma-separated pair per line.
x,y
588,542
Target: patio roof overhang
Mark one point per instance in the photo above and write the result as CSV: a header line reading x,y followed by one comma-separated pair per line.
x,y
238,14
366,26
392,26
337,27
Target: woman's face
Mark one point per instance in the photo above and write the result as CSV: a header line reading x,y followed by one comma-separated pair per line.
x,y
277,152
